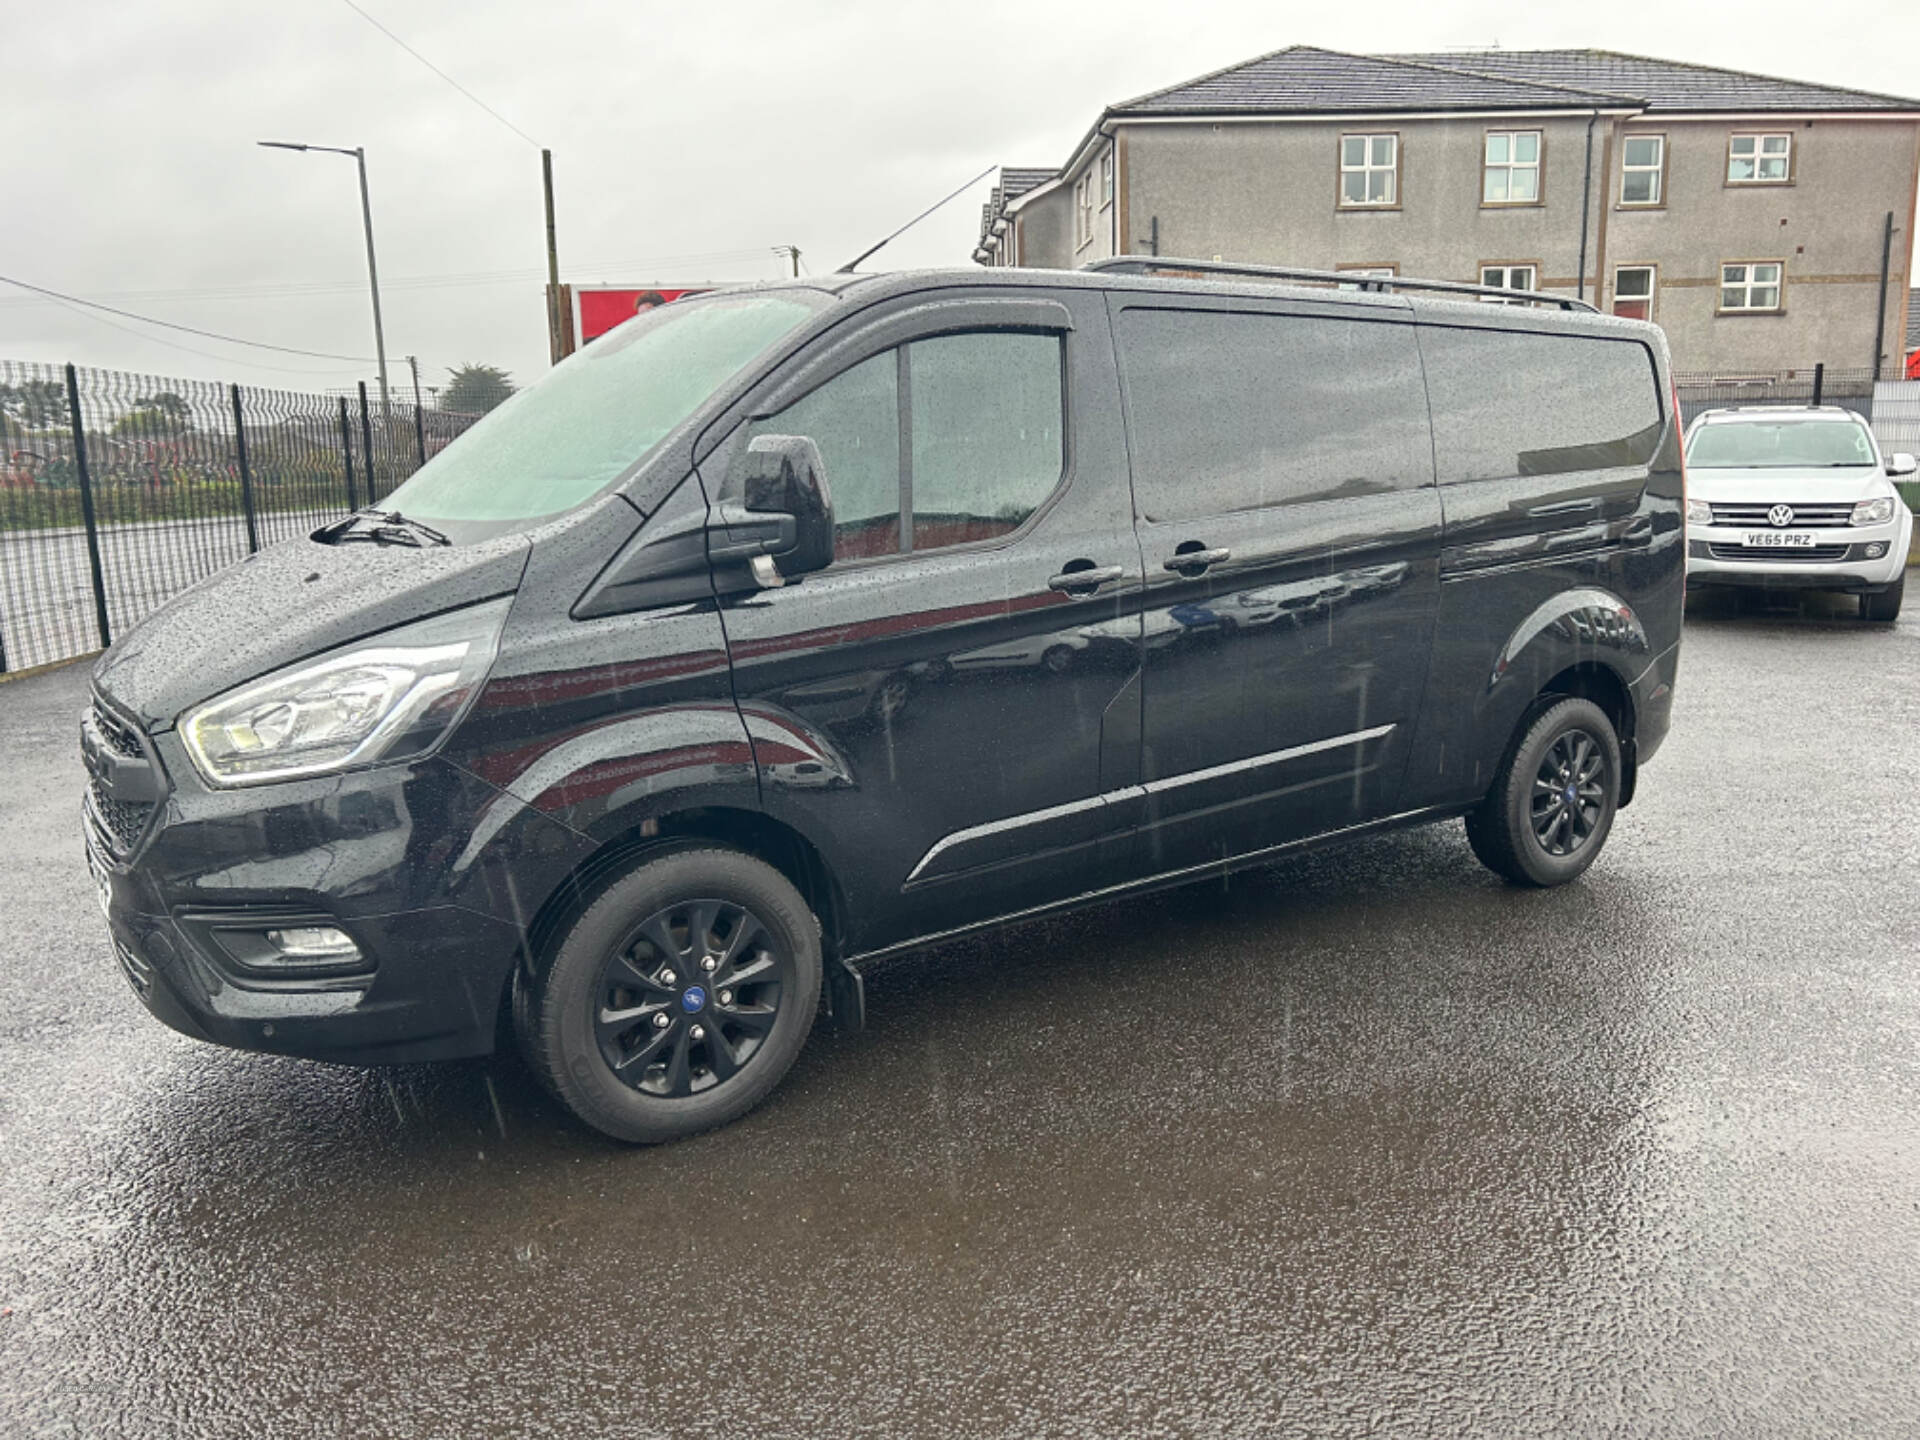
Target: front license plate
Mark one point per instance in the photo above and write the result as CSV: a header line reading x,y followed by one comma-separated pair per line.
x,y
1777,540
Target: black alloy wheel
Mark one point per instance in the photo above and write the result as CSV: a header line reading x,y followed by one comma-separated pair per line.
x,y
1552,803
1568,796
678,999
687,998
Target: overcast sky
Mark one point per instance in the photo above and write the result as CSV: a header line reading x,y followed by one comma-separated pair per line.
x,y
688,139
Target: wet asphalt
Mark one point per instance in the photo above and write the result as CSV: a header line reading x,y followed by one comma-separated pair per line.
x,y
1363,1143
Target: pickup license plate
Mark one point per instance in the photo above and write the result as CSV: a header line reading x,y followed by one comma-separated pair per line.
x,y
1777,540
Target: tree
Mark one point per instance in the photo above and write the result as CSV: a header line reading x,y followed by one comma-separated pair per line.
x,y
162,413
475,389
36,404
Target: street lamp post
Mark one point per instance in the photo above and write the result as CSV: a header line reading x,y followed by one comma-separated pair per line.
x,y
373,271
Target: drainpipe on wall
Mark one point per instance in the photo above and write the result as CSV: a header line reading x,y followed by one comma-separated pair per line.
x,y
1586,202
1880,316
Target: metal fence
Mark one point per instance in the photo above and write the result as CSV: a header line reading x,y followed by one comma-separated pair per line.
x,y
119,491
1809,385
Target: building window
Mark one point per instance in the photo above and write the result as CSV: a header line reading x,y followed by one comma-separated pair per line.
x,y
1512,171
1643,169
1082,210
1633,292
1106,179
1369,170
1750,285
1508,277
1758,159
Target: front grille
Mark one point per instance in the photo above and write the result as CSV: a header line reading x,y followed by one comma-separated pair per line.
x,y
1813,515
122,823
138,972
119,735
1805,554
118,824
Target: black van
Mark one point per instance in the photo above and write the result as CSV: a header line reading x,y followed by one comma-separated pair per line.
x,y
791,627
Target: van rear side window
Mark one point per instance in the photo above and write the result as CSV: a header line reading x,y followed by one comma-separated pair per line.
x,y
1509,403
1238,410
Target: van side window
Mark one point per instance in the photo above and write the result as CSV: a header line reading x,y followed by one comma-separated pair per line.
x,y
987,449
1239,410
961,433
1508,403
855,420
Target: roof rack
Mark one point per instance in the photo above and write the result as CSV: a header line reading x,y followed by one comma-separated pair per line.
x,y
1380,284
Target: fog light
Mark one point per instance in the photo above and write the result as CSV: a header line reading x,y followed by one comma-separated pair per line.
x,y
1876,549
314,943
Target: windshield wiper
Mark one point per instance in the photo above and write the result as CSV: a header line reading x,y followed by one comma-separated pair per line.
x,y
382,527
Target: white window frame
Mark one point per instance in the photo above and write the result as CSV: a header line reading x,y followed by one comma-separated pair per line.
x,y
1507,270
1658,170
1653,288
1512,166
1367,169
1083,211
1749,283
1367,272
1106,178
1760,153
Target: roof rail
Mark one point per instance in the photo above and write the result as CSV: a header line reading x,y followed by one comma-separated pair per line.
x,y
1151,265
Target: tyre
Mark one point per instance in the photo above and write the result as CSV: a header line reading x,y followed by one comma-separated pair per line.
x,y
1884,608
1553,801
678,999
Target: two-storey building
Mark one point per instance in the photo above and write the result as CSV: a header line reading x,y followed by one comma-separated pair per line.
x,y
1764,223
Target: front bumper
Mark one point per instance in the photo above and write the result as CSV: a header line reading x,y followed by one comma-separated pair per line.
x,y
1863,558
427,868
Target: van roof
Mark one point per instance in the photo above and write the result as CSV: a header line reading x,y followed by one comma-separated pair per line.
x,y
1752,414
1539,316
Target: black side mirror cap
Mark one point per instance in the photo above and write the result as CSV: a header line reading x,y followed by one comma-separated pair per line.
x,y
784,475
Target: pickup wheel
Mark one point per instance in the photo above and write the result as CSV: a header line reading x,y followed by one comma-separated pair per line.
x,y
678,999
1884,608
1553,801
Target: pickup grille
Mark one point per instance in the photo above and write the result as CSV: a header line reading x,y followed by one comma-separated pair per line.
x,y
1806,554
1822,514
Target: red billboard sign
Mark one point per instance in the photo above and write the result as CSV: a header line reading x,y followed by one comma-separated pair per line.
x,y
598,308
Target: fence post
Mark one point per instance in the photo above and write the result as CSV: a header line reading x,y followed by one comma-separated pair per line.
x,y
86,508
1819,380
419,433
366,442
246,476
346,452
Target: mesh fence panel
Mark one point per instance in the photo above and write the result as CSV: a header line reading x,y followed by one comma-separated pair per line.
x,y
185,477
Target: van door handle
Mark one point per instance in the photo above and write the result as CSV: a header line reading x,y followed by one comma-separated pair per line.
x,y
1194,562
1083,577
1564,507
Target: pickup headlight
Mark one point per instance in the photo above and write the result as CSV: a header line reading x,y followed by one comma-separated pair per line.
x,y
1699,512
387,697
1874,512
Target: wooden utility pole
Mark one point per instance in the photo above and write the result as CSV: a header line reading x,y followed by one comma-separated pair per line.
x,y
556,302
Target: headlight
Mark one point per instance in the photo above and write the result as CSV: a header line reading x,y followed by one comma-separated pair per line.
x,y
384,698
1873,512
1699,512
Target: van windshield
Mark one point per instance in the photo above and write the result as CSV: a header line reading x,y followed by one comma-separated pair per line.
x,y
568,437
1788,444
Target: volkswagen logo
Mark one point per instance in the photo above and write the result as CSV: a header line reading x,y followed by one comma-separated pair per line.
x,y
1780,515
692,999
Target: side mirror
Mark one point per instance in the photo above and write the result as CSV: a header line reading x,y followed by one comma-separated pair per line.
x,y
783,475
1901,464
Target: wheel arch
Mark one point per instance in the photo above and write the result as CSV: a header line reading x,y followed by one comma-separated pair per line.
x,y
750,832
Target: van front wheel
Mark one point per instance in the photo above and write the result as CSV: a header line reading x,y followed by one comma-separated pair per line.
x,y
1553,801
679,998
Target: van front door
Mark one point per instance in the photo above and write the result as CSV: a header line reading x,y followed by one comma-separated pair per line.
x,y
1283,478
950,711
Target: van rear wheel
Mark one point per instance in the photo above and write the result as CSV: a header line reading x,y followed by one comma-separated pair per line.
x,y
678,999
1553,801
